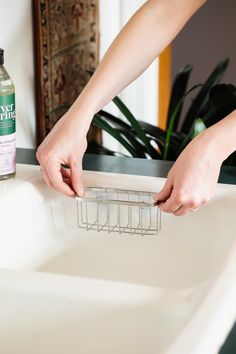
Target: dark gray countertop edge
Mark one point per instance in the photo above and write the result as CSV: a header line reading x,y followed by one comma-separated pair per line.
x,y
131,166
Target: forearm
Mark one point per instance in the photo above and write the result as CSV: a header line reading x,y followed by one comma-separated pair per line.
x,y
222,136
145,36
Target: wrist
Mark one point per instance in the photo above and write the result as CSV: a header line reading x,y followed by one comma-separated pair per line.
x,y
221,137
80,117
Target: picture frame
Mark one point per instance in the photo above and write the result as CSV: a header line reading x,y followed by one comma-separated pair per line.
x,y
66,47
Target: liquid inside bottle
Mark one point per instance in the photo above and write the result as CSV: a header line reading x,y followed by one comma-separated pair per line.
x,y
7,123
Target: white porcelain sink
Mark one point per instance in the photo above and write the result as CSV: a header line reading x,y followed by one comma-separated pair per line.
x,y
65,290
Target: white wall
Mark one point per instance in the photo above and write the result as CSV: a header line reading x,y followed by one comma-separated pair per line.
x,y
141,96
16,38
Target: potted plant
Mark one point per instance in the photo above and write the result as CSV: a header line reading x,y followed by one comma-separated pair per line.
x,y
212,102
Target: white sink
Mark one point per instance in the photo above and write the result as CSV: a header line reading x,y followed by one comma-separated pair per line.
x,y
65,290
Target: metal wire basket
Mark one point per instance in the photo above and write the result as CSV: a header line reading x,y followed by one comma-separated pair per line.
x,y
118,210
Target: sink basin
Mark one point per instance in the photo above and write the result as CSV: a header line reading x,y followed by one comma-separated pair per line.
x,y
68,290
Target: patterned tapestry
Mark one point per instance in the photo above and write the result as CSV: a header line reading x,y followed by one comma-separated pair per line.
x,y
66,43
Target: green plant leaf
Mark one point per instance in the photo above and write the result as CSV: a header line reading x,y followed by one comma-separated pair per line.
x,y
221,93
127,131
202,96
135,125
219,112
172,121
118,122
159,136
155,132
140,149
222,101
198,127
100,123
178,90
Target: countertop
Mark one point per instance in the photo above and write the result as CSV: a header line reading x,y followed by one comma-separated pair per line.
x,y
130,166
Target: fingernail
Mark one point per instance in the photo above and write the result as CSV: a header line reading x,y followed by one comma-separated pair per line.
x,y
72,194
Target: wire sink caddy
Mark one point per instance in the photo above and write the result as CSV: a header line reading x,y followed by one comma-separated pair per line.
x,y
118,210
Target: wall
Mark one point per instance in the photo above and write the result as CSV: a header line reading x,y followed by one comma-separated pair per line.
x,y
207,39
17,39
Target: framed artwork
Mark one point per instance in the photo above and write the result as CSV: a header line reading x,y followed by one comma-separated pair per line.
x,y
66,38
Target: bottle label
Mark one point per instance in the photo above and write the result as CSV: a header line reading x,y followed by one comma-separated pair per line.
x,y
7,135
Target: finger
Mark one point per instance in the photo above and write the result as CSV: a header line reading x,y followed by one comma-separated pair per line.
x,y
55,176
77,177
183,210
193,205
65,173
170,206
165,193
49,184
45,177
67,181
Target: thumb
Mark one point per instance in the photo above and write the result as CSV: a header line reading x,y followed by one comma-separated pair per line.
x,y
165,193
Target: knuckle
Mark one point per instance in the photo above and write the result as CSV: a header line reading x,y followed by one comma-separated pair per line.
x,y
181,198
39,154
185,198
194,203
48,156
49,160
44,156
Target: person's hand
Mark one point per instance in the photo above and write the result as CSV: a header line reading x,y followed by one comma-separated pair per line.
x,y
192,180
64,145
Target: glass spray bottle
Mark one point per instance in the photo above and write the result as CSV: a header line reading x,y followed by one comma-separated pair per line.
x,y
7,123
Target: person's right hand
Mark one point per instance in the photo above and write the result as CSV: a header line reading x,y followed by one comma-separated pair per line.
x,y
64,145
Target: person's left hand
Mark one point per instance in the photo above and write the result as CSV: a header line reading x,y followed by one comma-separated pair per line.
x,y
192,180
